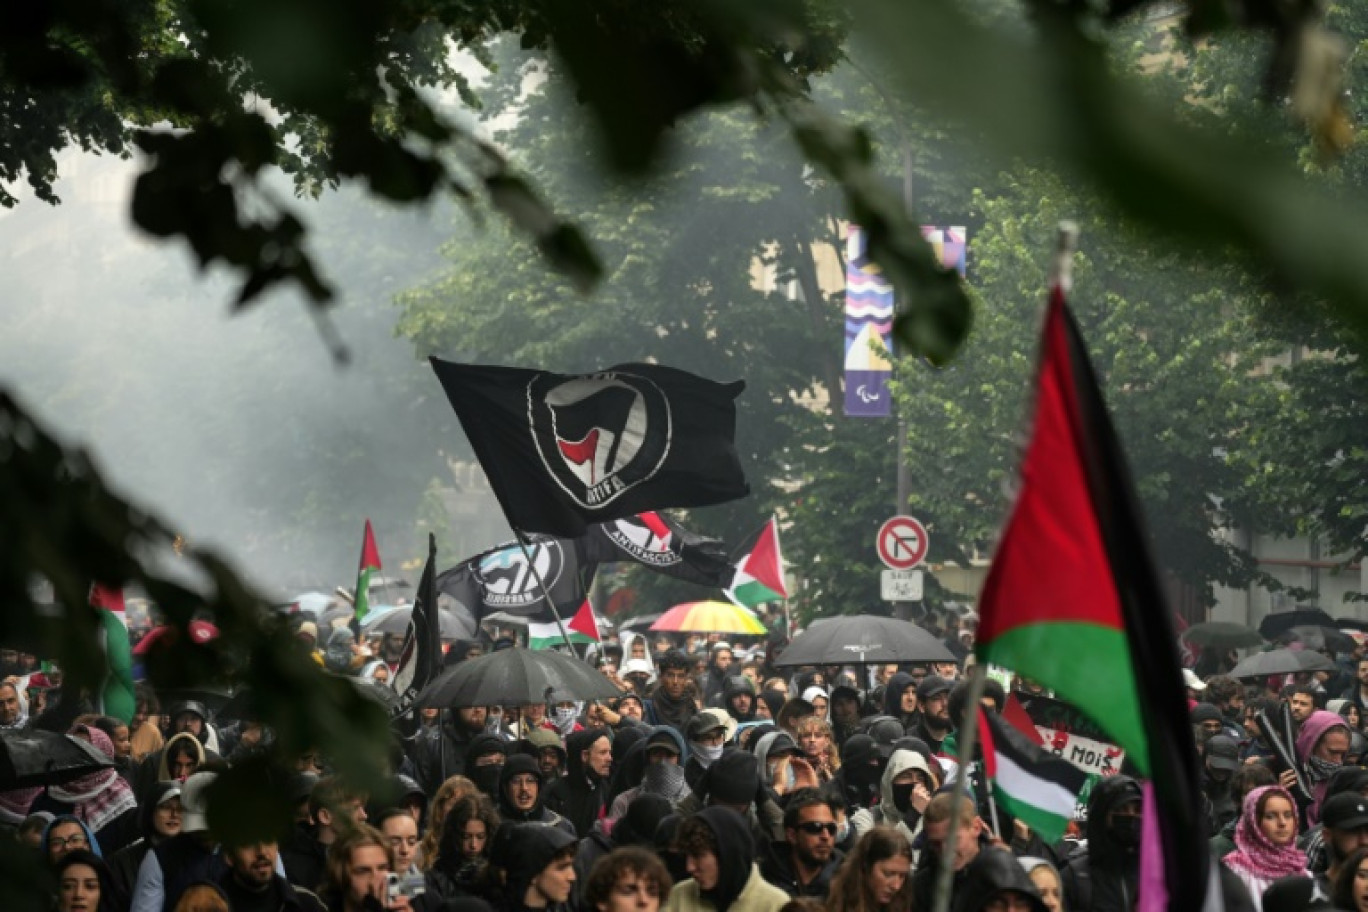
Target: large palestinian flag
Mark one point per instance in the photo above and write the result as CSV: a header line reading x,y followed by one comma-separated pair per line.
x,y
759,570
1073,601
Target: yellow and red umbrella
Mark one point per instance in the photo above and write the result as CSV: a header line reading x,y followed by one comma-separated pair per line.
x,y
709,617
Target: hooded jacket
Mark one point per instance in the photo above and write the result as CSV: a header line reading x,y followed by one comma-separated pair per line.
x,y
1102,876
857,783
992,872
580,795
486,778
734,686
636,770
523,851
739,888
886,812
1312,730
892,699
517,765
124,864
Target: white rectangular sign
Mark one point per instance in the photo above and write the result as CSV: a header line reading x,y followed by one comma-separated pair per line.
x,y
901,585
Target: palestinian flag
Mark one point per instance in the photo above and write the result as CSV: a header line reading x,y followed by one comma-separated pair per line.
x,y
116,694
370,563
1073,601
759,571
583,629
1040,789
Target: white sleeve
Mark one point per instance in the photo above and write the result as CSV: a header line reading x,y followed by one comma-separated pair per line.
x,y
149,894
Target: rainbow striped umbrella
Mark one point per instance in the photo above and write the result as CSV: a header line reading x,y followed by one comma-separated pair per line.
x,y
709,617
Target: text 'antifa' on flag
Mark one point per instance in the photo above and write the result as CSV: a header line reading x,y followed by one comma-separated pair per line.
x,y
1072,599
656,541
563,452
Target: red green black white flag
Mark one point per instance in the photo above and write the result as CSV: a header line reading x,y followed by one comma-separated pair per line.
x,y
759,569
1073,601
369,564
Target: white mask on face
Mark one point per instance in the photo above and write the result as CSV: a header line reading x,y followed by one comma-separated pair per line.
x,y
706,755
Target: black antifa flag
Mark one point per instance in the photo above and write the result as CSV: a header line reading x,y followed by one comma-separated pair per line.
x,y
422,655
503,579
658,542
564,452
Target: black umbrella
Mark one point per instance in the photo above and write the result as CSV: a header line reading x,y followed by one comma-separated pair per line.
x,y
1314,636
1280,622
32,757
862,640
513,677
1347,623
396,621
1281,661
1222,635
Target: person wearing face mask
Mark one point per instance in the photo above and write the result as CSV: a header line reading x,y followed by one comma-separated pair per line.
x,y
1102,875
857,783
655,764
1220,760
707,733
484,762
1322,742
905,790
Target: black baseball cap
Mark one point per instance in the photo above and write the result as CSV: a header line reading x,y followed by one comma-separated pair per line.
x,y
1222,753
1345,811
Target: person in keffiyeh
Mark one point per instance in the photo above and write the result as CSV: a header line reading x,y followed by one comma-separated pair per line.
x,y
102,800
1266,841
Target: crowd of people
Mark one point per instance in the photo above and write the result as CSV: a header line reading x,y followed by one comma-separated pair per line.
x,y
715,782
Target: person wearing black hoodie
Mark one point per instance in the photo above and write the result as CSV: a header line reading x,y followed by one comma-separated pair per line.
x,y
581,795
993,875
437,758
720,859
636,828
538,865
522,793
484,762
1102,876
159,818
857,782
738,698
900,700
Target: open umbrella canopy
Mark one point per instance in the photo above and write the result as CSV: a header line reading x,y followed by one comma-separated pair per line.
x,y
396,621
1281,661
31,757
1314,636
516,677
709,617
863,640
641,622
1222,635
1280,622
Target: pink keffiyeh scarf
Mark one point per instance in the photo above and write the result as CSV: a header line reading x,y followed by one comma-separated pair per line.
x,y
1254,852
97,797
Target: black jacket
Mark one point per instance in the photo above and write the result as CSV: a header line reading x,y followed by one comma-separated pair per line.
x,y
776,866
439,757
538,813
579,796
280,896
1103,876
304,858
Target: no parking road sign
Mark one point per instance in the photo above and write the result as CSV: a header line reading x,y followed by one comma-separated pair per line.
x,y
902,543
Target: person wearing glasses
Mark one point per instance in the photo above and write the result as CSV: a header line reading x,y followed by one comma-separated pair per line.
x,y
806,861
67,834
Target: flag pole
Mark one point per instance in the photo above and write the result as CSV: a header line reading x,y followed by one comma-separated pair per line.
x,y
546,596
978,682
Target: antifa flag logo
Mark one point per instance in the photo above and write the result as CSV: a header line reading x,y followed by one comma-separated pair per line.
x,y
646,538
599,435
511,583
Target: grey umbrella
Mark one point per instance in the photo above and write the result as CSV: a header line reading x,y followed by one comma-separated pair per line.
x,y
1281,661
31,757
863,640
1316,636
517,676
396,621
1223,635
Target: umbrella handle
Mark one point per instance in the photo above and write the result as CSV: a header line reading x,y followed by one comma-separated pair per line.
x,y
1283,751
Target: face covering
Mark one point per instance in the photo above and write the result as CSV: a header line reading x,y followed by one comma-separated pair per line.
x,y
902,796
564,720
486,778
1125,831
706,755
1318,770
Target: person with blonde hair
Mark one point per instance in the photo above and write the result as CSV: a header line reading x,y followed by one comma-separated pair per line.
x,y
875,876
814,736
358,867
202,897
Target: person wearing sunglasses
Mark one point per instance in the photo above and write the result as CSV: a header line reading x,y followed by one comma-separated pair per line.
x,y
806,861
